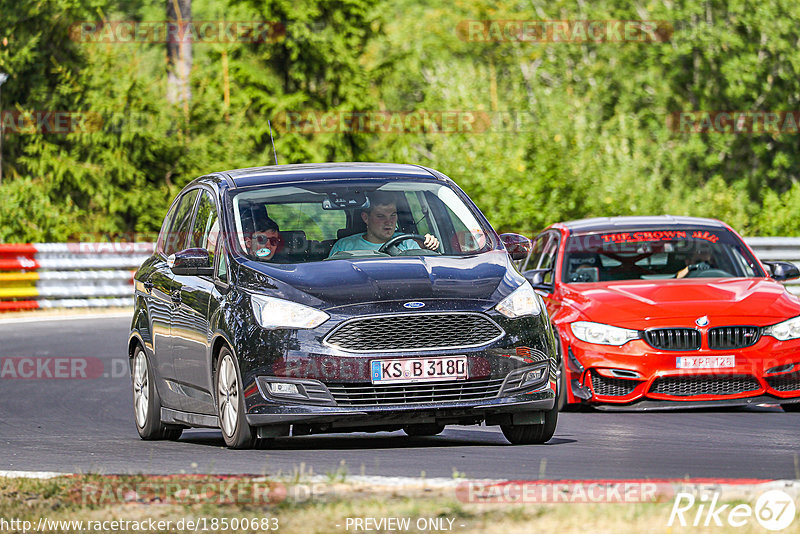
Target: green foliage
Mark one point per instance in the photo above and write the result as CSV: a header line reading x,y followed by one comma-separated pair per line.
x,y
591,136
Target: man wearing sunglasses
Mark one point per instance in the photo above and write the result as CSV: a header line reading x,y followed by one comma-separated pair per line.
x,y
265,240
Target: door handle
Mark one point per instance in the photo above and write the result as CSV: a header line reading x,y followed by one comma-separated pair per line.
x,y
148,286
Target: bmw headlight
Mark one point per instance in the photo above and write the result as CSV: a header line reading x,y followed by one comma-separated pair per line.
x,y
789,329
272,313
522,301
602,334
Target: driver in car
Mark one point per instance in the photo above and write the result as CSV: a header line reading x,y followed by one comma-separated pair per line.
x,y
381,220
700,260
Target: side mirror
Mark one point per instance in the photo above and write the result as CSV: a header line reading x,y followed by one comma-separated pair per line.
x,y
782,270
536,278
191,262
518,246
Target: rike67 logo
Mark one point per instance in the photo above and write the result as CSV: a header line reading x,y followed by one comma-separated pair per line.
x,y
774,510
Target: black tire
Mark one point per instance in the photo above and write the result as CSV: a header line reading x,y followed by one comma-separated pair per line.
x,y
795,407
425,429
230,403
146,402
533,434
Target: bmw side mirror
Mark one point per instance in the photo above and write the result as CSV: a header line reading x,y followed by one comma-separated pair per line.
x,y
518,246
191,262
536,278
782,270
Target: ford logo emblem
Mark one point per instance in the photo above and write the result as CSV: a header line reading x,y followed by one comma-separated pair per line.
x,y
414,305
702,321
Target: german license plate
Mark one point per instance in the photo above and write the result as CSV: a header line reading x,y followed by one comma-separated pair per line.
x,y
705,362
418,369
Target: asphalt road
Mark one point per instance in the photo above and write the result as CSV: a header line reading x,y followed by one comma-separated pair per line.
x,y
86,425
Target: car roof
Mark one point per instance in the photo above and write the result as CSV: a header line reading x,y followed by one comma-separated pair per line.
x,y
623,224
274,174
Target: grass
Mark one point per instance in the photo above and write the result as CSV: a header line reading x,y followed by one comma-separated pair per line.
x,y
333,503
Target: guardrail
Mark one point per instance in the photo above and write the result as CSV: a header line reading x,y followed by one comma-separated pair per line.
x,y
778,248
69,275
83,275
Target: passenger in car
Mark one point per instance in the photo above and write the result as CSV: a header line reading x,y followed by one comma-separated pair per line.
x,y
381,220
265,239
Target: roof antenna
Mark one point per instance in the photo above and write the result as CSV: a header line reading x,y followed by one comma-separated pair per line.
x,y
273,142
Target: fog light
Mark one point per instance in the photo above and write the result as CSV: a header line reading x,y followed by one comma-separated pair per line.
x,y
533,376
285,389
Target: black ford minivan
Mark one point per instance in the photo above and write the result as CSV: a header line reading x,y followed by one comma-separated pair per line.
x,y
261,314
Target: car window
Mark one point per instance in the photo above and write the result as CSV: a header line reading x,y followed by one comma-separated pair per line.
x,y
657,254
548,260
316,225
180,227
313,217
222,264
205,228
537,248
164,233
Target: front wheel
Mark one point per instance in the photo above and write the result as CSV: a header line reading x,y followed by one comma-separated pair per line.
x,y
230,404
533,434
147,403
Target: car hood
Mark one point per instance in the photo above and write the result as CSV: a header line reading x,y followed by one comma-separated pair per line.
x,y
487,276
645,303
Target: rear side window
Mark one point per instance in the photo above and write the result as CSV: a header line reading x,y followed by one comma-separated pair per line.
x,y
206,225
163,236
179,229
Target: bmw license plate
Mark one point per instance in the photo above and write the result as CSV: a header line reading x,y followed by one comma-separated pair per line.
x,y
418,369
705,362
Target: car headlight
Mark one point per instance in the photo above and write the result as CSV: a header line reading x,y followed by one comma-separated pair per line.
x,y
602,334
789,329
272,313
522,301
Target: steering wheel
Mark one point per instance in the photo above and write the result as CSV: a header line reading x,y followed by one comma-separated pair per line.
x,y
400,238
706,271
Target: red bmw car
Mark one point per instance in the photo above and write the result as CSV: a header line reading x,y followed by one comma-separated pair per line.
x,y
667,312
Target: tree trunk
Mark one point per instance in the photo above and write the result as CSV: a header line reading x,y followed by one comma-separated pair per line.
x,y
179,52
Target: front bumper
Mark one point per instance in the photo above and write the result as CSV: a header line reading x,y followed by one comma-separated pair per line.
x,y
337,390
497,410
637,373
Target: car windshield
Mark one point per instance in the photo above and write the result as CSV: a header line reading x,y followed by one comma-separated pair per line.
x,y
657,254
318,221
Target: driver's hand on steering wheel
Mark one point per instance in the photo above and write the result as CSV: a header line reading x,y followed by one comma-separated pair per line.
x,y
699,266
431,243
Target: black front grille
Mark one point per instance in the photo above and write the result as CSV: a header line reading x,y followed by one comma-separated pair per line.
x,y
381,394
733,337
612,387
790,382
673,338
418,331
687,386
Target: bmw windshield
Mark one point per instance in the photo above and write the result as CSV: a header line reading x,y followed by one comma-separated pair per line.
x,y
328,220
657,254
